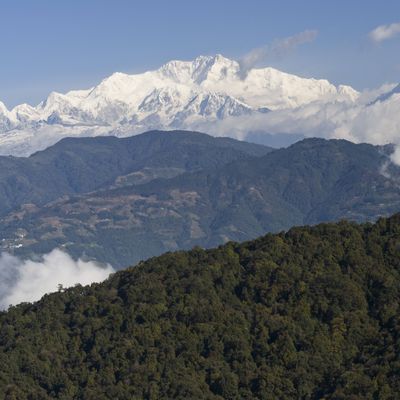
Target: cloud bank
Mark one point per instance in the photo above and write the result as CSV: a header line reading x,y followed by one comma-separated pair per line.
x,y
384,32
27,281
361,120
278,48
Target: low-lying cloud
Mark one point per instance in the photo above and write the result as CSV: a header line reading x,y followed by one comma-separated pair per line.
x,y
384,32
278,48
360,121
27,280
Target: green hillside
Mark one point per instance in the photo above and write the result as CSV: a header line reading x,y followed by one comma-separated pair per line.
x,y
312,181
308,314
81,165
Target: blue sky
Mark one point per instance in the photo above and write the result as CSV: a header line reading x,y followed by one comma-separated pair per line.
x,y
59,45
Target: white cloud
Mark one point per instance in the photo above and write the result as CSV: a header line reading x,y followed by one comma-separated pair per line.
x,y
395,157
359,121
27,280
278,48
384,32
23,142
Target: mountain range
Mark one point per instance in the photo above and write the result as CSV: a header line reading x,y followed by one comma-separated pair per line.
x,y
208,94
125,200
303,312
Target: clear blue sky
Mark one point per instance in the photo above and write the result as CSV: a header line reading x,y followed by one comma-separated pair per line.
x,y
63,44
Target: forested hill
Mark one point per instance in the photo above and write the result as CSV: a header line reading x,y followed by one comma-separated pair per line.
x,y
308,314
81,165
312,181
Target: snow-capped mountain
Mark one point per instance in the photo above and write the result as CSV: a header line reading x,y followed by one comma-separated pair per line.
x,y
180,95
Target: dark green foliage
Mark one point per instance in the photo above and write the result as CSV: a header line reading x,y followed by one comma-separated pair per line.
x,y
80,165
308,314
312,181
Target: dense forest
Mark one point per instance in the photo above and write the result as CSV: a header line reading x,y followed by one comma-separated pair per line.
x,y
312,313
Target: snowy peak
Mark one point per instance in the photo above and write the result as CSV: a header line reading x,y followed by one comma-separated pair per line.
x,y
348,93
3,108
172,89
180,94
216,69
200,69
5,121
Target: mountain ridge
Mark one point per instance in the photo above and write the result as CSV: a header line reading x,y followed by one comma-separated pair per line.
x,y
77,165
312,181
